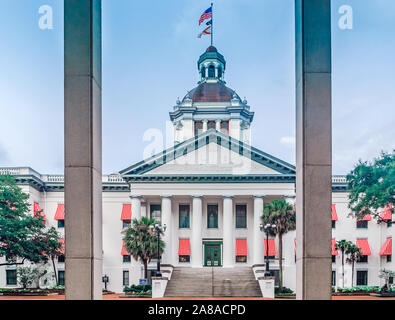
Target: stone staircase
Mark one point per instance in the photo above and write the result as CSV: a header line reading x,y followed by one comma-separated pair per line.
x,y
213,282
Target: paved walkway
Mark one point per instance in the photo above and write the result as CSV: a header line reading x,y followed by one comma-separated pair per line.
x,y
116,297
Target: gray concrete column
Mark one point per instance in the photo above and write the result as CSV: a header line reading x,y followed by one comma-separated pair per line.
x,y
168,235
83,149
313,149
259,236
136,207
197,245
227,232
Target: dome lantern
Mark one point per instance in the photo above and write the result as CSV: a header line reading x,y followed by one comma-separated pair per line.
x,y
211,66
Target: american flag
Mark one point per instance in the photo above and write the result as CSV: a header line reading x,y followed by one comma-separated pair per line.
x,y
206,15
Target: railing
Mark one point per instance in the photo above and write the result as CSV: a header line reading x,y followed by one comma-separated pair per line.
x,y
339,179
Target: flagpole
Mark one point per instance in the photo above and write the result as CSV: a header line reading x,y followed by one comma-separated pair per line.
x,y
212,23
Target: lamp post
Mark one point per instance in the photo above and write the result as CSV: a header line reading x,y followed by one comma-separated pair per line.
x,y
267,229
105,279
158,231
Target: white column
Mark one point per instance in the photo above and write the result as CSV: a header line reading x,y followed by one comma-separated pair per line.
x,y
168,235
259,236
136,207
144,209
227,231
196,243
218,125
205,125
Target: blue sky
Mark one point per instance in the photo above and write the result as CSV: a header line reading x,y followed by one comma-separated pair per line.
x,y
150,49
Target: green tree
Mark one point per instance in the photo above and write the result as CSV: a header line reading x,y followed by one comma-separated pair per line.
x,y
282,215
28,275
386,275
342,245
354,254
142,243
53,248
21,234
372,185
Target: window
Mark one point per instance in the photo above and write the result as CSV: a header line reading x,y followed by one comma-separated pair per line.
x,y
61,258
61,278
211,72
183,216
362,224
155,212
333,224
363,259
203,71
391,280
212,216
389,258
60,223
125,278
198,127
126,258
362,278
225,127
389,224
241,258
333,258
126,223
210,125
241,216
333,278
183,258
219,72
11,277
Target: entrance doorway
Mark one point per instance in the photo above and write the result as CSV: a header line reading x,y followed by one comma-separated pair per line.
x,y
212,254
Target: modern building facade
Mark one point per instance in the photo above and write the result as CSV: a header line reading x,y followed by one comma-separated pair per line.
x,y
209,189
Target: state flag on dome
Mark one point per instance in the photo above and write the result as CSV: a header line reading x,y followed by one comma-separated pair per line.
x,y
206,15
205,31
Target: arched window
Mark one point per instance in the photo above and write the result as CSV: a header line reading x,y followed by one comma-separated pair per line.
x,y
211,72
210,125
219,72
203,72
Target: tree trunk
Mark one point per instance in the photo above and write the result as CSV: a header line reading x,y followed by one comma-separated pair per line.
x,y
352,274
54,270
343,266
280,256
145,269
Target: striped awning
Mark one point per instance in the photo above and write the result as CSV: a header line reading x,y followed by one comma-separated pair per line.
x,y
59,214
272,247
387,213
62,250
363,244
386,249
241,247
334,213
123,250
183,247
126,213
38,211
334,251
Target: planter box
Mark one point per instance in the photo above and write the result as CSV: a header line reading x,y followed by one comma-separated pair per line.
x,y
351,293
286,297
384,294
128,296
26,294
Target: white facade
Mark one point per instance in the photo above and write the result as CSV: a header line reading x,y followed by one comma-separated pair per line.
x,y
209,172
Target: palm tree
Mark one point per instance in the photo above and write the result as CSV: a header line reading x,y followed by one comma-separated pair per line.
x,y
342,245
354,254
141,241
282,215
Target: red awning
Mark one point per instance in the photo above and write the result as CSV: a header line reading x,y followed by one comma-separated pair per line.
x,y
38,211
272,247
241,247
183,247
334,213
126,212
123,250
363,244
387,213
59,214
386,249
334,251
367,217
62,250
295,246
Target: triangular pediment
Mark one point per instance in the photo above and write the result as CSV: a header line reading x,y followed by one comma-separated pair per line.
x,y
211,153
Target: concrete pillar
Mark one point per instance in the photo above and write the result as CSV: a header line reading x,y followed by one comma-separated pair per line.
x,y
227,231
313,149
83,149
136,207
218,125
144,209
196,245
168,235
205,125
258,235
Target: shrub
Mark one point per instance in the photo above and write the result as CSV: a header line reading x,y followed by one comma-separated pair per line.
x,y
137,288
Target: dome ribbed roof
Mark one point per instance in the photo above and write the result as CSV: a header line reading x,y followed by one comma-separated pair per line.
x,y
211,92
